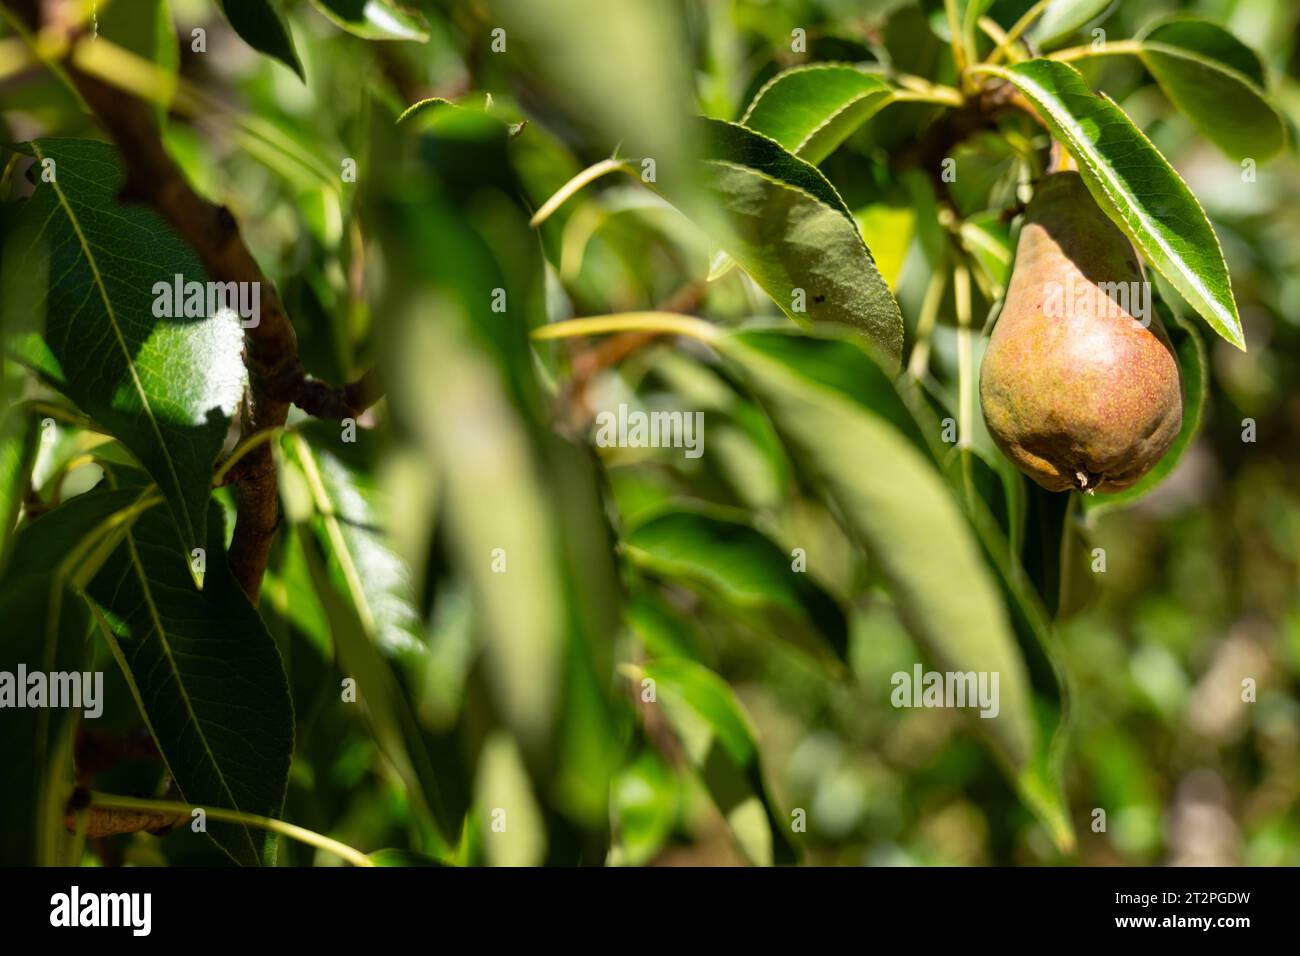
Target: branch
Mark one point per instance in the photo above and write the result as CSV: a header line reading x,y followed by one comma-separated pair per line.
x,y
322,400
276,377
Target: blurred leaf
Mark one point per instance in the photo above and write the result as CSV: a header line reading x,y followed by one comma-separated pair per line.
x,y
19,431
53,558
887,230
900,511
579,52
1063,18
643,801
402,858
1136,187
1217,82
1194,371
743,568
988,240
511,824
716,734
661,631
260,25
375,19
166,389
204,672
144,27
498,516
811,109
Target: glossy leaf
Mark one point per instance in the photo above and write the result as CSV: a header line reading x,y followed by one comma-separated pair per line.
x,y
375,19
811,109
744,569
716,734
260,24
1217,82
1136,187
166,388
205,673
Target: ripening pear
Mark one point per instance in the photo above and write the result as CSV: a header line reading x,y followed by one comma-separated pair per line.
x,y
1079,385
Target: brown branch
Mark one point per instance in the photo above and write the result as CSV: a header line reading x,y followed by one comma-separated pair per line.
x,y
114,821
330,401
276,377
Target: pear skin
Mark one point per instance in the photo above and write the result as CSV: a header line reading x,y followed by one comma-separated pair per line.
x,y
1079,386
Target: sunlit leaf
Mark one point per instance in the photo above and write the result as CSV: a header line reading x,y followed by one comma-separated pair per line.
x,y
1136,187
166,388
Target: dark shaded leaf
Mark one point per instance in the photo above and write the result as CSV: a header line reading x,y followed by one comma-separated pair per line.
x,y
165,388
744,569
260,24
206,676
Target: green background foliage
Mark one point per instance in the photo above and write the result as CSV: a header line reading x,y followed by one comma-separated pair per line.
x,y
486,638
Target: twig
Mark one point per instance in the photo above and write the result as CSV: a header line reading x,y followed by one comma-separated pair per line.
x,y
276,377
109,813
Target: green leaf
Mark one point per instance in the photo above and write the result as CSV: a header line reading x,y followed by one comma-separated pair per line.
x,y
500,521
35,747
205,673
811,109
260,25
365,599
165,388
988,239
744,569
144,27
716,734
375,19
1217,82
19,430
660,629
503,794
1208,40
52,559
1136,187
790,230
643,802
353,526
841,413
1063,18
1194,369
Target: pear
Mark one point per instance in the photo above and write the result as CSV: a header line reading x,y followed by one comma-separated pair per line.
x,y
1079,386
